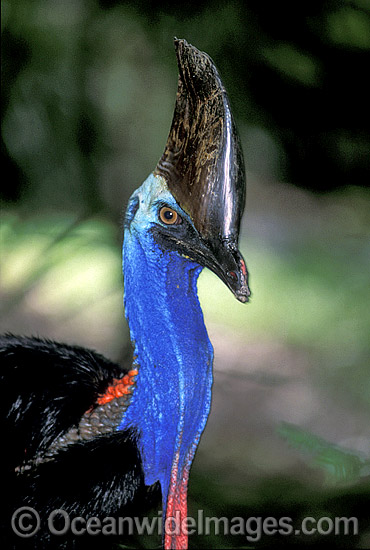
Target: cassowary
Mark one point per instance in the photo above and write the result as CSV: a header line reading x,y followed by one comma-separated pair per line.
x,y
84,435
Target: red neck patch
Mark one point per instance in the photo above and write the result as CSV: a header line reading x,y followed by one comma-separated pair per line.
x,y
119,387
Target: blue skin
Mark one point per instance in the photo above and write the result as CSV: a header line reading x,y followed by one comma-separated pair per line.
x,y
172,395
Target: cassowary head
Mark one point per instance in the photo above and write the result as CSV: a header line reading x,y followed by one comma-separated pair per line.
x,y
194,200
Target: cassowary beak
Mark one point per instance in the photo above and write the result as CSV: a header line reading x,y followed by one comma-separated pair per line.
x,y
204,168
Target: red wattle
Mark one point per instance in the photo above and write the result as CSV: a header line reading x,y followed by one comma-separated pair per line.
x,y
176,535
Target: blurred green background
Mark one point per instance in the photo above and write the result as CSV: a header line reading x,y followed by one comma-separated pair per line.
x,y
88,94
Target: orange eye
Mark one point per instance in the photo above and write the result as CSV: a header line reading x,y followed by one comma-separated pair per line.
x,y
169,216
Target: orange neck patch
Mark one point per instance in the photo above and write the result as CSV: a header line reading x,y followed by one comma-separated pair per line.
x,y
119,387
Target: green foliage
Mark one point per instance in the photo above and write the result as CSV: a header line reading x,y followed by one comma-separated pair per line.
x,y
340,465
64,273
349,27
295,64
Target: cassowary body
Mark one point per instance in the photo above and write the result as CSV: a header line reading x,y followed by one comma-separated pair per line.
x,y
87,437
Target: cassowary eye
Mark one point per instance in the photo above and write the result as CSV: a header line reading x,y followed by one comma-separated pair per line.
x,y
169,216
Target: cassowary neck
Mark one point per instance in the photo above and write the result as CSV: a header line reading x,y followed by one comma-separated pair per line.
x,y
171,400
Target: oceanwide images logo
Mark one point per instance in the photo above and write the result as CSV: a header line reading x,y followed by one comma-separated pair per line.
x,y
26,522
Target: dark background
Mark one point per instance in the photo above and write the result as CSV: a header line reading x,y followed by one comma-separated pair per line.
x,y
88,90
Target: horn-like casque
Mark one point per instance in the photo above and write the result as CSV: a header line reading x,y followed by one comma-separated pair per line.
x,y
203,161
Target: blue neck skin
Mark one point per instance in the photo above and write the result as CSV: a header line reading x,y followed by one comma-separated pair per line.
x,y
172,395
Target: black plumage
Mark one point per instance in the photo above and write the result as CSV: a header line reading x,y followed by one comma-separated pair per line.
x,y
45,389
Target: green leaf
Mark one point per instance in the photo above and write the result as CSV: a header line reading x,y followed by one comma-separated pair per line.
x,y
339,464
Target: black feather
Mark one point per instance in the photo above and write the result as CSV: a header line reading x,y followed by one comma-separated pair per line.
x,y
45,388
